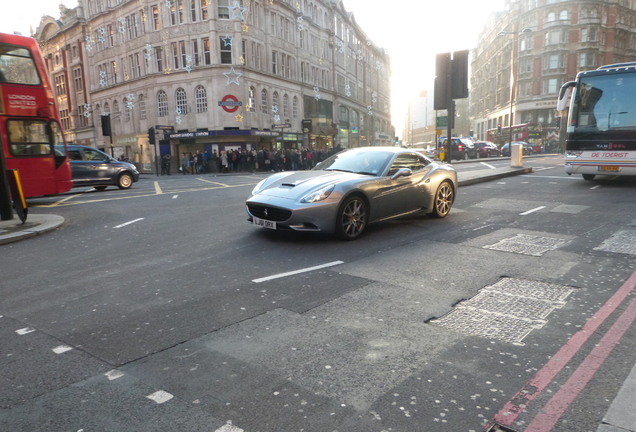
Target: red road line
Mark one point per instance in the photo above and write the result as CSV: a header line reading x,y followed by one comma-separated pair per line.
x,y
533,388
562,399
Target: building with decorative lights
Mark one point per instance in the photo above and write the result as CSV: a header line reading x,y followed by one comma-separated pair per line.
x,y
216,75
538,45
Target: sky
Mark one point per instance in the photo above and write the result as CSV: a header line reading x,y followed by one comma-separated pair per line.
x,y
412,31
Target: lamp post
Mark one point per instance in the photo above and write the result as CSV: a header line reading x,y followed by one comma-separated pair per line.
x,y
515,35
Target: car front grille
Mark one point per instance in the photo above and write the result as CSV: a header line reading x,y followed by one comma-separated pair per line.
x,y
269,213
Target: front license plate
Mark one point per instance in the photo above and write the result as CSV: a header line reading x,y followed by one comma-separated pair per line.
x,y
608,168
264,223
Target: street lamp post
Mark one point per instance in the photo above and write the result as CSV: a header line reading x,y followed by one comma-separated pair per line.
x,y
512,75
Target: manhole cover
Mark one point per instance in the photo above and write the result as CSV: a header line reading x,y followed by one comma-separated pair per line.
x,y
621,242
506,311
527,244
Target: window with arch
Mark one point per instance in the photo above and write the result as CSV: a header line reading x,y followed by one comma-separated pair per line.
x,y
275,100
295,107
182,101
201,98
116,108
264,102
251,100
126,110
162,103
106,108
551,17
563,15
142,106
285,106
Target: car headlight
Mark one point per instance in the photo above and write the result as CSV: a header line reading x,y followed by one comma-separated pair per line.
x,y
258,187
318,195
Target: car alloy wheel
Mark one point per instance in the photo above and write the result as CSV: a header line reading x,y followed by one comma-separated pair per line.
x,y
125,181
443,202
352,218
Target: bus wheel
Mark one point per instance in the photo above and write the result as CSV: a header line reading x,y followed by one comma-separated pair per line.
x,y
124,181
588,176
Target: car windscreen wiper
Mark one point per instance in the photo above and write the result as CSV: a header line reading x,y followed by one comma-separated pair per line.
x,y
367,173
335,169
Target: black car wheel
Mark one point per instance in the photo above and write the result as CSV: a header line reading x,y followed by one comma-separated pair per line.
x,y
352,218
124,181
443,202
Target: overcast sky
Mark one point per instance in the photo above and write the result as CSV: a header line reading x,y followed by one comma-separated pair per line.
x,y
412,32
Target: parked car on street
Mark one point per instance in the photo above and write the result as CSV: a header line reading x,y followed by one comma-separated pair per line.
x,y
463,148
92,167
527,149
487,149
353,189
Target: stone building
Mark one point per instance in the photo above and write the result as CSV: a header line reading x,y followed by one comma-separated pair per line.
x,y
538,45
217,75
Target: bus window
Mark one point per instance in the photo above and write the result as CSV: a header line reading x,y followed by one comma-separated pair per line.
x,y
28,138
17,66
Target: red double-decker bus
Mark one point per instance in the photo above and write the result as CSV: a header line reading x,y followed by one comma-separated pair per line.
x,y
31,137
532,133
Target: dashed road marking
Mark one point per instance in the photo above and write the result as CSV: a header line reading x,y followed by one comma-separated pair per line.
x,y
295,272
128,223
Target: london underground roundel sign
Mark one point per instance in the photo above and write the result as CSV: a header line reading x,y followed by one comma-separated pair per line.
x,y
230,103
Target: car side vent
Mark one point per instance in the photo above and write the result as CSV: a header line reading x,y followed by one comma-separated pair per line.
x,y
291,185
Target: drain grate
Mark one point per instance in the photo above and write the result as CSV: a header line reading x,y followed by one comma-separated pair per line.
x,y
527,244
621,242
506,311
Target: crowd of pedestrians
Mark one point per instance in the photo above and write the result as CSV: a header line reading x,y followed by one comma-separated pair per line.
x,y
242,160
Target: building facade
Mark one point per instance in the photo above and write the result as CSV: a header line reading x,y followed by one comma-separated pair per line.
x,y
538,45
217,75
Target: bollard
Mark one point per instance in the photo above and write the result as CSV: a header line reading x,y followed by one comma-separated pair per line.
x,y
516,156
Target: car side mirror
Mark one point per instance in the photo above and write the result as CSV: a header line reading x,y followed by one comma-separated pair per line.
x,y
402,172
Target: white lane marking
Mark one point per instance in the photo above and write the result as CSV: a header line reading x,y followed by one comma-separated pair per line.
x,y
128,223
114,374
488,165
595,187
61,349
160,396
25,330
308,269
229,427
158,188
175,196
532,211
551,177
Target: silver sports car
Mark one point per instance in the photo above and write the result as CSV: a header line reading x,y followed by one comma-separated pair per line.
x,y
352,189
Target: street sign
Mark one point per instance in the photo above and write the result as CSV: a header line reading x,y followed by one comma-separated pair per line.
x,y
230,103
442,122
281,126
164,128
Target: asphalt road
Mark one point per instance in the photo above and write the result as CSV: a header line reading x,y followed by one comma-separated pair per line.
x,y
162,308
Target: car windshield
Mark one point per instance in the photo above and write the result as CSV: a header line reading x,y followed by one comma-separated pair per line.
x,y
371,162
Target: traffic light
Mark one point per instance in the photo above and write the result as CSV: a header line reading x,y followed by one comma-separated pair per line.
x,y
498,128
106,125
397,141
151,135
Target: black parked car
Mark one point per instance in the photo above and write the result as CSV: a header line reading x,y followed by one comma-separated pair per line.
x,y
463,148
92,167
527,149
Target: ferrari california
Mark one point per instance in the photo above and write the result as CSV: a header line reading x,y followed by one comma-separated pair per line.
x,y
353,189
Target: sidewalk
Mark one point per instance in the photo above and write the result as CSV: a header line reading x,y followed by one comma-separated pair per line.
x,y
621,415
